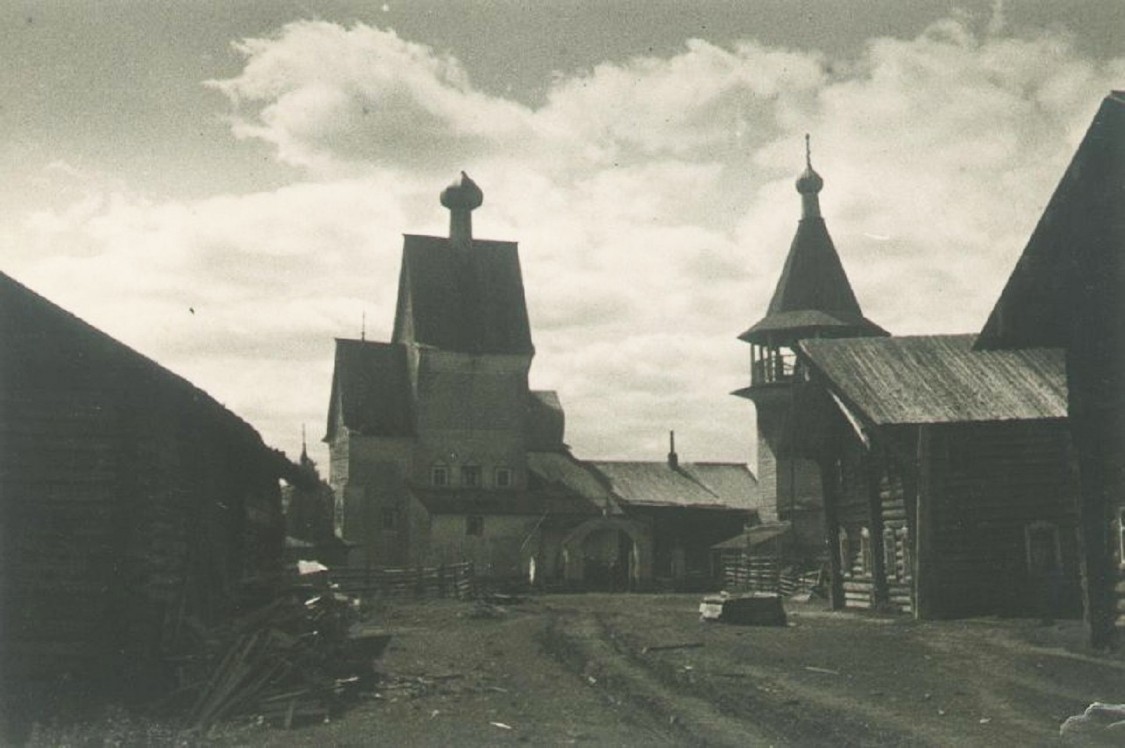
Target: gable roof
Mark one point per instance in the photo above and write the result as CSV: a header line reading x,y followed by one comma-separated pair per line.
x,y
44,347
940,379
371,390
1069,278
466,301
813,291
706,485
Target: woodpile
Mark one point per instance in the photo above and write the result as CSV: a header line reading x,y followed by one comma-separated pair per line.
x,y
297,659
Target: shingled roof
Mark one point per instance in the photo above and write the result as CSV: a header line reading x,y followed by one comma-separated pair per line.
x,y
704,485
1074,259
465,300
813,293
371,390
940,379
813,296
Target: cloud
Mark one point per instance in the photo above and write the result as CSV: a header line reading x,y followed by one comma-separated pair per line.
x,y
330,98
652,198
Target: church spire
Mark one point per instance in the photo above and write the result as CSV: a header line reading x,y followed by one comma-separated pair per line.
x,y
813,296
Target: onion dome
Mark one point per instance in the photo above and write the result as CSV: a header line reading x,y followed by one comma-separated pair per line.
x,y
463,194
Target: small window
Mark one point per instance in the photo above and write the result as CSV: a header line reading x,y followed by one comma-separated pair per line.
x,y
503,477
470,476
474,525
864,560
439,475
390,518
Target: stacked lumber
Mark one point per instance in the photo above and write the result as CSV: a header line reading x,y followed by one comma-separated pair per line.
x,y
297,659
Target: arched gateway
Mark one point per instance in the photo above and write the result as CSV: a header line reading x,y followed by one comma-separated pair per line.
x,y
609,552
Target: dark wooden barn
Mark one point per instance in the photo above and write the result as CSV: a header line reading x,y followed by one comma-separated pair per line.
x,y
1068,292
131,504
948,489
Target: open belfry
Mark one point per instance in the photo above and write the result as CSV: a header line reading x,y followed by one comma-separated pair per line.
x,y
813,299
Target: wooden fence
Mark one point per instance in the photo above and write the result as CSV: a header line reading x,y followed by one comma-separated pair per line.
x,y
453,580
742,572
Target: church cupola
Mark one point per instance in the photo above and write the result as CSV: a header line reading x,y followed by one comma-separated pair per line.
x,y
813,298
809,184
462,198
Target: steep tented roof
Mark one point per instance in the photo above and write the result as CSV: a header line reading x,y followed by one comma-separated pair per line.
x,y
714,485
940,379
467,300
371,390
1073,267
813,292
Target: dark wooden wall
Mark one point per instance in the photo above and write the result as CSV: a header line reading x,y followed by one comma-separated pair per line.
x,y
993,481
130,502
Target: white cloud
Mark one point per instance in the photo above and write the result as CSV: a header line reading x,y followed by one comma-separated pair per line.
x,y
652,200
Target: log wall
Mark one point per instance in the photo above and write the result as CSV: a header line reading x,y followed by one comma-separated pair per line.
x,y
130,501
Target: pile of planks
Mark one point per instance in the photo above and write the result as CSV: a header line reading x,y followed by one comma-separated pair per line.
x,y
297,659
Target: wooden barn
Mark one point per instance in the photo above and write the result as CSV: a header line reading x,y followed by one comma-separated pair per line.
x,y
948,489
131,504
1068,292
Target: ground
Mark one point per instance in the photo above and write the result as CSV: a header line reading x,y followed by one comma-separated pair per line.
x,y
644,670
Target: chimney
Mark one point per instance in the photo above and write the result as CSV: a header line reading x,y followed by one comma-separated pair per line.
x,y
462,198
673,458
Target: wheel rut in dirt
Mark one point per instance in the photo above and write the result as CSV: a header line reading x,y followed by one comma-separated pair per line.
x,y
583,642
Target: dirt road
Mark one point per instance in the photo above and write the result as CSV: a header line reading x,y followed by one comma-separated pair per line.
x,y
610,670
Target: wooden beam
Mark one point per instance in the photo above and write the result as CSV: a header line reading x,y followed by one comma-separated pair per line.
x,y
925,557
873,462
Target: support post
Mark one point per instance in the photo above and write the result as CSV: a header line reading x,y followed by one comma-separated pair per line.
x,y
925,571
830,488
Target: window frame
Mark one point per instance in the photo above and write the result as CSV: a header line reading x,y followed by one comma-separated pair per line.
x,y
509,477
439,468
471,469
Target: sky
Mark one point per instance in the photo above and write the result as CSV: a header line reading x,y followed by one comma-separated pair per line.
x,y
224,186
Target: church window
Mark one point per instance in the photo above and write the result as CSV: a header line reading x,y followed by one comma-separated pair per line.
x,y
470,476
474,525
503,477
439,475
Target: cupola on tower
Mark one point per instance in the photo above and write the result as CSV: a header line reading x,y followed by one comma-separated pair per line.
x,y
813,299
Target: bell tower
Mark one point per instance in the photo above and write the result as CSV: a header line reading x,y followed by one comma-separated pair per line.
x,y
813,299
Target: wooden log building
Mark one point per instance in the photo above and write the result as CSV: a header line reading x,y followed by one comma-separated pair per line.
x,y
131,504
948,488
1068,291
